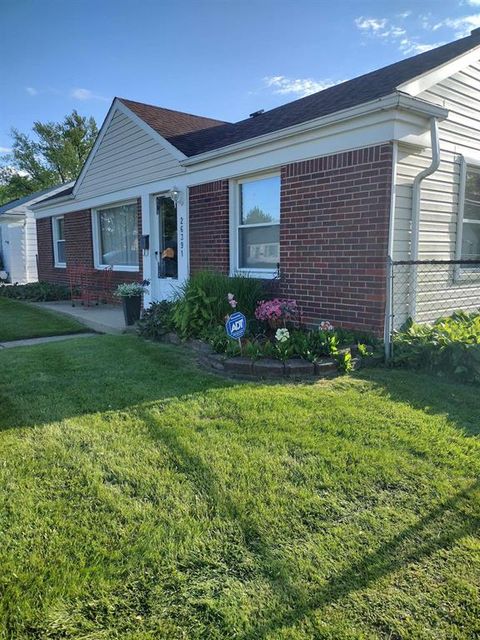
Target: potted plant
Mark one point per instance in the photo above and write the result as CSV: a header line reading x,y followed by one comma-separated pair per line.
x,y
131,295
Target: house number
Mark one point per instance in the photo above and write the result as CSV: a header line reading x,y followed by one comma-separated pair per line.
x,y
181,236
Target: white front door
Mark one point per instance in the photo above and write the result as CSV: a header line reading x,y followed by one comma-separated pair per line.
x,y
169,255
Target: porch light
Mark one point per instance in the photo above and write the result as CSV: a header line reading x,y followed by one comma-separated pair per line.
x,y
176,195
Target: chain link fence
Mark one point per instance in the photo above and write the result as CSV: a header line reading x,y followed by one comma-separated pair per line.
x,y
425,290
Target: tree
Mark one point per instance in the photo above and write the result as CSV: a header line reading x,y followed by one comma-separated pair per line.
x,y
256,215
53,156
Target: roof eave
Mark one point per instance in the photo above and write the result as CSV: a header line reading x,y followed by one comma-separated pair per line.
x,y
395,100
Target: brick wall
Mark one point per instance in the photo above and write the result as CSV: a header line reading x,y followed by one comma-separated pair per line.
x,y
334,236
78,249
209,227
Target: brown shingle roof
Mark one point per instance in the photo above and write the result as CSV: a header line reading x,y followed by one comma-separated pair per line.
x,y
169,123
207,135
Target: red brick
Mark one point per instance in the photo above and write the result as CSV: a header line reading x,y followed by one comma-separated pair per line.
x,y
78,249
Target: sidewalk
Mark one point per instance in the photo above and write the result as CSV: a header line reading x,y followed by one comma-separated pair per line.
x,y
33,341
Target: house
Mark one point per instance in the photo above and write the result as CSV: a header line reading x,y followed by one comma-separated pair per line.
x,y
314,194
18,236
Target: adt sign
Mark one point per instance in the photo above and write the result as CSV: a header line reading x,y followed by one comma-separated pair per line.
x,y
236,325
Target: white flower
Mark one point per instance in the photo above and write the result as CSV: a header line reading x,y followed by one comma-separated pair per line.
x,y
282,335
230,296
325,325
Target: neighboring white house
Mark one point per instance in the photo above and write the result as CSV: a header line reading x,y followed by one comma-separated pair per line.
x,y
18,236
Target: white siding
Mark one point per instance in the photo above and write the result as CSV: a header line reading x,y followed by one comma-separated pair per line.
x,y
127,156
30,241
439,291
13,251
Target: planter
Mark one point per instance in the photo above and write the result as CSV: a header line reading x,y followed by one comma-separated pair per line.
x,y
131,309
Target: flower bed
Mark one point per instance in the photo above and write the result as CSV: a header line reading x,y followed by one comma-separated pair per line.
x,y
276,343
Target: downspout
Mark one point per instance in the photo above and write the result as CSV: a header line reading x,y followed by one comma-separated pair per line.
x,y
388,323
416,196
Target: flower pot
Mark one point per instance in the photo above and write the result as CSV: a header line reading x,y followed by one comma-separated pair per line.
x,y
131,309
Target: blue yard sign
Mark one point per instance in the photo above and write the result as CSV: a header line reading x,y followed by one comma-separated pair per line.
x,y
236,325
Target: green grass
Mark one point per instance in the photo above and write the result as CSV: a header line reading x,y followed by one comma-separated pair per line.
x,y
19,320
141,499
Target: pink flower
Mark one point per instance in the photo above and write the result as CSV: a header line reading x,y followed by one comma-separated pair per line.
x,y
276,309
231,300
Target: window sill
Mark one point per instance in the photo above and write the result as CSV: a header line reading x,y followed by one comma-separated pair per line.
x,y
126,268
60,265
259,274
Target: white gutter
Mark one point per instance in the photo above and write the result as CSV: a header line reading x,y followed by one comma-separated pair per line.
x,y
395,100
416,196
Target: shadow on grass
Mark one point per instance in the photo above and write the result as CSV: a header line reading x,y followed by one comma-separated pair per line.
x,y
440,528
460,403
52,382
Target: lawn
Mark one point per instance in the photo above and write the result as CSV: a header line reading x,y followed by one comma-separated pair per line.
x,y
20,320
141,499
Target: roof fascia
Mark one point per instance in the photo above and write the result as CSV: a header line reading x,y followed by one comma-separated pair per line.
x,y
394,100
429,78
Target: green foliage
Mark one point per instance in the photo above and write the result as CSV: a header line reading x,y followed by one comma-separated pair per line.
x,y
217,338
451,346
252,349
364,351
202,301
156,321
35,291
54,155
344,362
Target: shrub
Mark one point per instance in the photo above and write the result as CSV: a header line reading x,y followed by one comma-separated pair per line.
x,y
131,289
35,291
203,301
157,320
451,346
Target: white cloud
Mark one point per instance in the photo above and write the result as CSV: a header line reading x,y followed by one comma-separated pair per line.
x,y
299,86
85,94
31,91
474,3
5,149
410,47
371,25
462,26
393,33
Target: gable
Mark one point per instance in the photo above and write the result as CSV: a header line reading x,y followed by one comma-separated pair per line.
x,y
460,94
127,155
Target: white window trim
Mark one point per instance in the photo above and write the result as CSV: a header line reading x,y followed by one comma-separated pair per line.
x,y
235,213
55,239
97,262
464,164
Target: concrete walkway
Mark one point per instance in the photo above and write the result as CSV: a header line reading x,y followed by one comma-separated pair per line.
x,y
33,341
102,318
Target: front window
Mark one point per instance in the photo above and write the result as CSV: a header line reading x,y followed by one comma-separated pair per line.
x,y
470,249
259,224
116,241
59,242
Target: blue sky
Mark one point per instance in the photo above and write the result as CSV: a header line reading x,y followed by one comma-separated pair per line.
x,y
221,58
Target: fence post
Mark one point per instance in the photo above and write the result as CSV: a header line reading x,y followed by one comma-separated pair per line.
x,y
388,330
